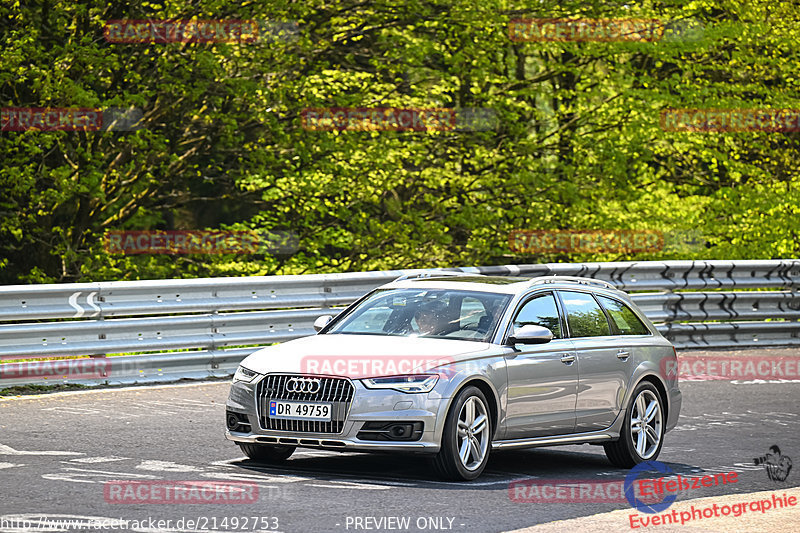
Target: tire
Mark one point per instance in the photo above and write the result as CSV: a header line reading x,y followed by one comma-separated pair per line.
x,y
266,453
470,405
630,450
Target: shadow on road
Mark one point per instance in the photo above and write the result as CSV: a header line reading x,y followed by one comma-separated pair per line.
x,y
417,470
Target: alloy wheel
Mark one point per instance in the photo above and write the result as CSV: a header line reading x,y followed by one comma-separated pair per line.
x,y
473,433
646,424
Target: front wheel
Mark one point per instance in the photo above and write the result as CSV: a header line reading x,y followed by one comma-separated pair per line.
x,y
266,453
466,437
643,431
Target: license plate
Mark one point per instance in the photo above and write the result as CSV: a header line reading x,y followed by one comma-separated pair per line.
x,y
300,410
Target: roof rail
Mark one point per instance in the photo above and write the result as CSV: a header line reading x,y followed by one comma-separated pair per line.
x,y
572,279
435,274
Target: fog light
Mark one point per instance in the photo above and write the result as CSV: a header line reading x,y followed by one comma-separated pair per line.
x,y
237,422
400,431
389,430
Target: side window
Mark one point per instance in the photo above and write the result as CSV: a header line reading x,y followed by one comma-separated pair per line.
x,y
540,311
623,317
584,315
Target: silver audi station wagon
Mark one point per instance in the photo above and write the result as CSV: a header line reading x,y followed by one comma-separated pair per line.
x,y
457,365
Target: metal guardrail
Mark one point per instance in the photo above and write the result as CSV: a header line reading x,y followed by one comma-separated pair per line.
x,y
217,317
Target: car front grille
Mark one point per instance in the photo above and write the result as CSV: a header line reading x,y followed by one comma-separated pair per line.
x,y
339,392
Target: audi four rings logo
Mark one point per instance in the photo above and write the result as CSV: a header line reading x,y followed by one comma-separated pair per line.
x,y
303,385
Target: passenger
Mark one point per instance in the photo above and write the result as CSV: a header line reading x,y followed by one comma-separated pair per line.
x,y
431,318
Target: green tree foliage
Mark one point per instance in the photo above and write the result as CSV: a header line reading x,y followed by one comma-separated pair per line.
x,y
577,142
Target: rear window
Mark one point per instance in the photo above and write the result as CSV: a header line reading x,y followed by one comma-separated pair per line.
x,y
623,317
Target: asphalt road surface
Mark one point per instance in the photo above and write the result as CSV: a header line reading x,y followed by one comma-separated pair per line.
x,y
59,453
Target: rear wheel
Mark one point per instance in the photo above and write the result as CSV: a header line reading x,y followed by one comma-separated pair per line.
x,y
266,453
466,437
643,431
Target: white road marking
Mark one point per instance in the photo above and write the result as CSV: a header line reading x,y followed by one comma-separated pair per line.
x,y
166,466
298,453
322,453
9,465
227,462
74,410
106,472
134,409
78,475
261,478
397,483
731,420
8,450
736,467
74,478
355,485
92,460
470,484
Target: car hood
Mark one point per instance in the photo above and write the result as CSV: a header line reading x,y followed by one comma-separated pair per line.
x,y
357,356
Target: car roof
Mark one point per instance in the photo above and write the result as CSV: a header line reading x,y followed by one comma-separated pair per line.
x,y
502,284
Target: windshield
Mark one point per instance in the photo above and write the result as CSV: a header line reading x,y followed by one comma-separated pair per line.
x,y
438,313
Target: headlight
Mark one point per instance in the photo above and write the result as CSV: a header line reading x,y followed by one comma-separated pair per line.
x,y
415,383
244,374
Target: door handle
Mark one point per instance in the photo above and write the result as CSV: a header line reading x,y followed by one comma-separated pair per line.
x,y
567,358
622,354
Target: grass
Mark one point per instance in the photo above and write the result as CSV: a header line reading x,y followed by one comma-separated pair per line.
x,y
21,390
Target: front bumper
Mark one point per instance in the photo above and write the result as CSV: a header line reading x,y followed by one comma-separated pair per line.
x,y
368,405
335,443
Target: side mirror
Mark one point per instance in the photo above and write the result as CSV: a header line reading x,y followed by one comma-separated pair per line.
x,y
531,334
321,322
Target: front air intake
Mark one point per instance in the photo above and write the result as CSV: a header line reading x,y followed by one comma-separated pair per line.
x,y
336,391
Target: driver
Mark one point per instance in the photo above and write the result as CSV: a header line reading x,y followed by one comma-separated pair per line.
x,y
431,318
